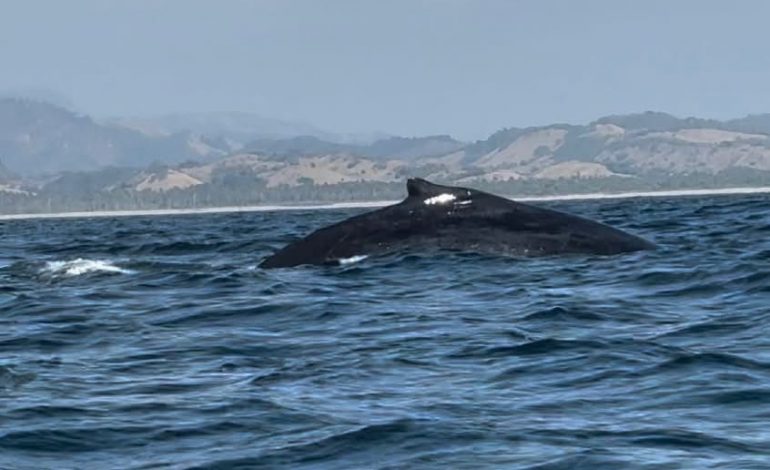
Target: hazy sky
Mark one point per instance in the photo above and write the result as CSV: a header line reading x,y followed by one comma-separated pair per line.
x,y
409,67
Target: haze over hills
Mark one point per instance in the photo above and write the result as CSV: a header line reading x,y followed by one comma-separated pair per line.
x,y
37,137
235,127
40,138
55,159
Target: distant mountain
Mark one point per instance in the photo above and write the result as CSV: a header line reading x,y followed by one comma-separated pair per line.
x,y
236,127
636,145
10,183
412,148
407,148
615,153
296,146
652,148
5,174
38,137
755,124
638,149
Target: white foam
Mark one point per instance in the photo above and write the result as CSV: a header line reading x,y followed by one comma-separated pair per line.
x,y
440,199
79,266
353,259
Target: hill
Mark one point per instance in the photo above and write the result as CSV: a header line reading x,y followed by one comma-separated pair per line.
x,y
40,138
644,151
236,127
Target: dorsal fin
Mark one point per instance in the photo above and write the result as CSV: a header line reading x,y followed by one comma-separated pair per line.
x,y
418,187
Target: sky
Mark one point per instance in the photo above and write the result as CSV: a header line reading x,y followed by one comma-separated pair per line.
x,y
406,67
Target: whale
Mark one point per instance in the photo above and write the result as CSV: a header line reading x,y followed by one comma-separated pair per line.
x,y
438,217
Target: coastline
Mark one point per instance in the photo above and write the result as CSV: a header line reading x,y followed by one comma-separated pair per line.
x,y
374,204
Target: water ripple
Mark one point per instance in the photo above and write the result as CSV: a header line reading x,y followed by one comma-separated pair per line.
x,y
156,342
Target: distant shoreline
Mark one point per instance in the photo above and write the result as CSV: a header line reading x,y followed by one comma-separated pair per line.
x,y
372,204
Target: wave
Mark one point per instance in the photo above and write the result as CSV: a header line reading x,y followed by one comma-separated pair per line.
x,y
11,379
705,361
410,359
80,266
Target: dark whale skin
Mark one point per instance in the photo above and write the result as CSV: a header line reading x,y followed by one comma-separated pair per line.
x,y
445,217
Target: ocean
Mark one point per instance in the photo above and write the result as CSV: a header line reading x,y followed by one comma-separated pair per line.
x,y
155,342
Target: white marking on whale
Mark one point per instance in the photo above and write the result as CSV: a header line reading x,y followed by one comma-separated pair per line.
x,y
440,199
352,259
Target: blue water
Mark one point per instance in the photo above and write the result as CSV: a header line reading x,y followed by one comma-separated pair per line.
x,y
156,342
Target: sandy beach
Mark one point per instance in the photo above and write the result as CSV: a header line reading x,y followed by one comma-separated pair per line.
x,y
374,204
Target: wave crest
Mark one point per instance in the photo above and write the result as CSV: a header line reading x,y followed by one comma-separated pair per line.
x,y
79,266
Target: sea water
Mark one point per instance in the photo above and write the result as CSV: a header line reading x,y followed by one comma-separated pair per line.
x,y
156,342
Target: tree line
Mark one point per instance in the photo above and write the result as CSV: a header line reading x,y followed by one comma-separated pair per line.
x,y
247,191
